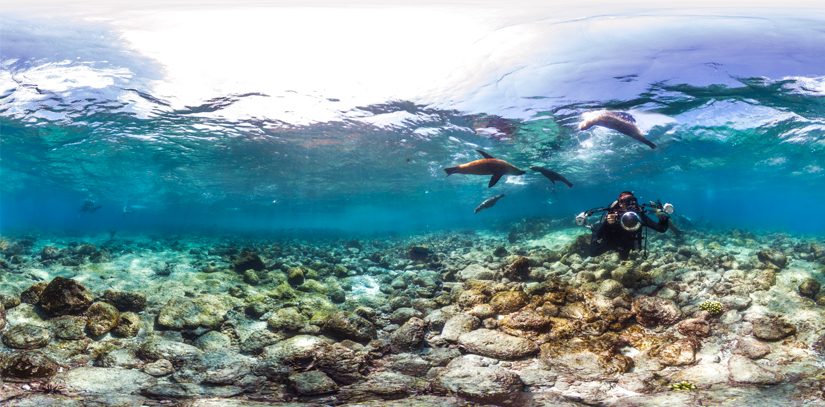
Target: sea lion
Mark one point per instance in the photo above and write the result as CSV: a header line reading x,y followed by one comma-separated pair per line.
x,y
488,203
486,166
552,176
620,121
89,206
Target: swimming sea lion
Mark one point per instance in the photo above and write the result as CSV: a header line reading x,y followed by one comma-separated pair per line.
x,y
488,203
487,166
552,176
89,206
620,121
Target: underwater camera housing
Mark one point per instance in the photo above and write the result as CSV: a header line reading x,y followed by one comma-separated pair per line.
x,y
628,219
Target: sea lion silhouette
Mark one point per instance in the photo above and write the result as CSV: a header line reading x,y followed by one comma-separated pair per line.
x,y
488,203
620,121
489,165
552,176
89,206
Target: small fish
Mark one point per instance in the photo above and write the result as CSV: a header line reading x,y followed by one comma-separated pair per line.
x,y
488,203
552,176
620,121
487,166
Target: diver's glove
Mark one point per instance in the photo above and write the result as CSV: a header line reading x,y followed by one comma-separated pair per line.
x,y
661,214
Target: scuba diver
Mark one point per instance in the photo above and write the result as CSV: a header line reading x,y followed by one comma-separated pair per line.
x,y
89,206
620,227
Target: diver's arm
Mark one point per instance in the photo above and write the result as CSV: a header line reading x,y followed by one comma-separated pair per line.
x,y
661,226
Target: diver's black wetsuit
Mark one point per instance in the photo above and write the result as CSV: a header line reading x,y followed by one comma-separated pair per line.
x,y
608,236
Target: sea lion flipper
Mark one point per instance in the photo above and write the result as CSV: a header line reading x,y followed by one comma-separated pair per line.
x,y
485,155
494,179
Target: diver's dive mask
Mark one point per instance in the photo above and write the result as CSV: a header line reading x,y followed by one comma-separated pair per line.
x,y
629,202
630,221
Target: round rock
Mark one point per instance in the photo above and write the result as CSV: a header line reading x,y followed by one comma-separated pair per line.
x,y
68,327
744,370
64,296
809,288
654,311
102,318
128,326
28,366
509,301
207,311
27,336
772,329
408,336
346,325
311,383
751,348
497,345
487,385
457,325
126,301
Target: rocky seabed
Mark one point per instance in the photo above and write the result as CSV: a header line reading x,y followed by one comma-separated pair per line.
x,y
723,318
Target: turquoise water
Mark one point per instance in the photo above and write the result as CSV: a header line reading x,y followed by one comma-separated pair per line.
x,y
341,117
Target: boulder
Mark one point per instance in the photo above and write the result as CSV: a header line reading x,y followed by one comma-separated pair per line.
x,y
476,272
703,374
28,366
681,352
772,328
64,296
100,380
744,370
126,301
410,335
248,261
102,317
27,336
497,345
311,383
809,288
206,311
128,326
655,311
346,325
480,384
751,348
457,325
774,257
586,359
509,301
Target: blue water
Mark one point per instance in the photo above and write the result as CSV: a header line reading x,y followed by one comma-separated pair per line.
x,y
341,117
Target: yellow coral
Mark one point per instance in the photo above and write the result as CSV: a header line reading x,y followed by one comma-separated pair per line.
x,y
683,386
714,307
